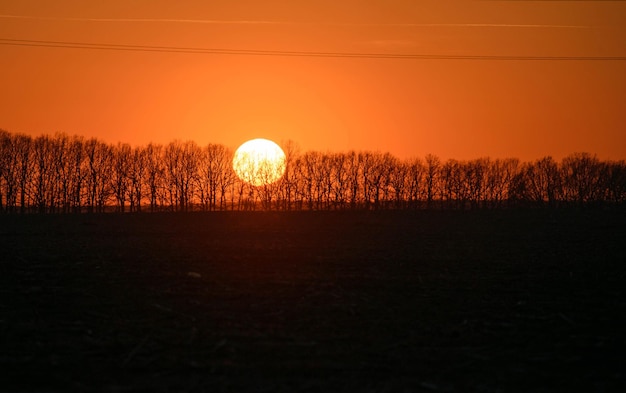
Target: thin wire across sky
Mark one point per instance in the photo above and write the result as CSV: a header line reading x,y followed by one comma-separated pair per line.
x,y
249,52
274,22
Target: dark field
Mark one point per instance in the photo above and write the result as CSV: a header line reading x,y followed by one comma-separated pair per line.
x,y
432,301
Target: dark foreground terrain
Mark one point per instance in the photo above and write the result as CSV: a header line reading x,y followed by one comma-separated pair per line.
x,y
520,301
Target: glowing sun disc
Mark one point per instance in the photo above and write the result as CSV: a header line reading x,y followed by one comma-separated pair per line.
x,y
259,162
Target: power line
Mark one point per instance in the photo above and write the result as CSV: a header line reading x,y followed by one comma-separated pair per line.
x,y
251,52
275,22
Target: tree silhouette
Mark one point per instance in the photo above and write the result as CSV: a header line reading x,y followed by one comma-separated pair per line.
x,y
288,183
214,176
616,181
432,170
136,175
120,177
63,174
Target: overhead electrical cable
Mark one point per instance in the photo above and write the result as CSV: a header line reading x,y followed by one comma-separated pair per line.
x,y
253,52
276,22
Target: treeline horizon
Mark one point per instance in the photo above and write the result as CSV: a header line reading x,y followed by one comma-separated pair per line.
x,y
72,174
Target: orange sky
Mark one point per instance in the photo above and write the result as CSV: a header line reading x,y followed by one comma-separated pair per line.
x,y
409,107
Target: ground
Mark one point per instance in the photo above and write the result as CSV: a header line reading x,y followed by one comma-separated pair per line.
x,y
395,301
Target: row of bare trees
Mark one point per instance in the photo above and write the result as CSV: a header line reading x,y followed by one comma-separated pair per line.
x,y
61,174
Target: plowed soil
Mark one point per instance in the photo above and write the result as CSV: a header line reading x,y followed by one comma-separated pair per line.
x,y
426,301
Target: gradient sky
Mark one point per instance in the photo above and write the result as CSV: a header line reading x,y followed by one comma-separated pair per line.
x,y
454,108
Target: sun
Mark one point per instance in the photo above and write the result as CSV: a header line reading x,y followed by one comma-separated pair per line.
x,y
259,162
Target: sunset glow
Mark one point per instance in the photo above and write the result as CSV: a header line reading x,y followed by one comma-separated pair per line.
x,y
499,79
